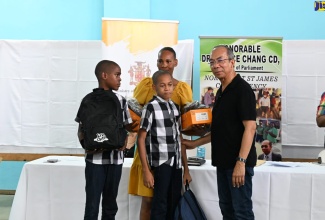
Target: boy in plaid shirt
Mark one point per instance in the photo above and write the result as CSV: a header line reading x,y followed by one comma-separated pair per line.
x,y
159,143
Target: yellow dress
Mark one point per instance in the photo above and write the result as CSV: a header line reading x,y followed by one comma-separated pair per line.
x,y
144,92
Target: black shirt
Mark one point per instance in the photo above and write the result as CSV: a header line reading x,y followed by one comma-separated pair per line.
x,y
232,106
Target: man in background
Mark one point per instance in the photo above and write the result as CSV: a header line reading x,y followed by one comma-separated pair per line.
x,y
268,155
208,101
272,133
264,104
259,132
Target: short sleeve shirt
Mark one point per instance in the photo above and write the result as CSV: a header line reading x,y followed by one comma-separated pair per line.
x,y
161,120
232,106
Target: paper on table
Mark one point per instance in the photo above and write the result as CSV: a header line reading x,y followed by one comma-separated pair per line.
x,y
259,162
283,164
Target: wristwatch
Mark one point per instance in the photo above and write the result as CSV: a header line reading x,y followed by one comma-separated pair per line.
x,y
241,159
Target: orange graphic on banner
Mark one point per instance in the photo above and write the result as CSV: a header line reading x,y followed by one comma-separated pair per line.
x,y
139,34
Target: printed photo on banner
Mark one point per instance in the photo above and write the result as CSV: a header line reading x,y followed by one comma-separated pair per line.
x,y
259,62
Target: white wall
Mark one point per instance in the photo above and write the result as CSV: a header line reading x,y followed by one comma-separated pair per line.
x,y
42,83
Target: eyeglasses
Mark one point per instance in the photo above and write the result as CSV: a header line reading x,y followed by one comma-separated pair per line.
x,y
264,146
218,61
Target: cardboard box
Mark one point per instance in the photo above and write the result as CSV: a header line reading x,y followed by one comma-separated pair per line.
x,y
196,117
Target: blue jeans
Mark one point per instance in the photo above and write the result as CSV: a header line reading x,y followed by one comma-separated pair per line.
x,y
235,203
101,180
167,192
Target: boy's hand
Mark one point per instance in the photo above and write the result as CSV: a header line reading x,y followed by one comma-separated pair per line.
x,y
188,144
122,148
148,179
187,177
238,175
133,127
132,137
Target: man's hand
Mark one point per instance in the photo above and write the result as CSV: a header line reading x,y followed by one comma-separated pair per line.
x,y
238,175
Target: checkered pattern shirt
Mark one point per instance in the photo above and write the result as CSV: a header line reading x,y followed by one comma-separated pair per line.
x,y
321,107
161,120
113,156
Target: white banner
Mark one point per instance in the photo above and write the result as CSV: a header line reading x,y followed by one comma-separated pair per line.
x,y
134,45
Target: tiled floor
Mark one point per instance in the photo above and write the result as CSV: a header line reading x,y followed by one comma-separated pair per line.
x,y
5,206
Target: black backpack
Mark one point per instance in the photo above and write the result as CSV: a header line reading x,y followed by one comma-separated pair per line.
x,y
102,121
188,207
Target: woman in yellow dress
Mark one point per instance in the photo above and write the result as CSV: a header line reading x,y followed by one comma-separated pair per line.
x,y
144,92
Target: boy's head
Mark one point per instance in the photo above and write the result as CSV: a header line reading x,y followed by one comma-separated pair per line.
x,y
163,84
108,74
167,60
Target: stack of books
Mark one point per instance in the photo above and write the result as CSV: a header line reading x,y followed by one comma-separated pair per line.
x,y
195,161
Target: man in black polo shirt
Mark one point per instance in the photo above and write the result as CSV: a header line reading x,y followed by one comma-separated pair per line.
x,y
232,137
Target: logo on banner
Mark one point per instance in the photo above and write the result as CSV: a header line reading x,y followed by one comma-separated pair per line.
x,y
138,72
319,5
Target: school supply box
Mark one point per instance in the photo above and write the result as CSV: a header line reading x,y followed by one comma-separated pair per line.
x,y
196,117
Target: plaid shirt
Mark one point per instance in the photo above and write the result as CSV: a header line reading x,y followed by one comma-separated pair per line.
x,y
321,107
113,156
161,119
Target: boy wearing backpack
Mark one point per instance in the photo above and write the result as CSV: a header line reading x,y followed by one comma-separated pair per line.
x,y
103,164
159,143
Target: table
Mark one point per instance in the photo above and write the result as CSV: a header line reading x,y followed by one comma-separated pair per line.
x,y
51,191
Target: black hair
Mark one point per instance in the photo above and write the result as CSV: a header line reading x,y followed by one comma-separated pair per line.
x,y
157,74
168,49
104,66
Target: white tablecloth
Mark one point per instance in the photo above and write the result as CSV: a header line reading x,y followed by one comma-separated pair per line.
x,y
55,191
